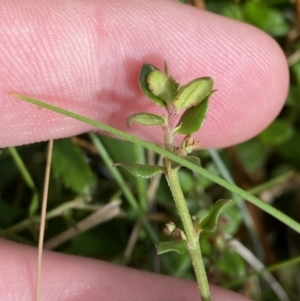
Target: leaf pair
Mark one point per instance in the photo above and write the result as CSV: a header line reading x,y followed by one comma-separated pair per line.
x,y
163,90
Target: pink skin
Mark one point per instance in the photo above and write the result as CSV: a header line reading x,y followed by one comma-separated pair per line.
x,y
85,56
71,278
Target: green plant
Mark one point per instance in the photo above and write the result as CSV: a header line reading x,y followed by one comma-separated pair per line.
x,y
186,108
184,103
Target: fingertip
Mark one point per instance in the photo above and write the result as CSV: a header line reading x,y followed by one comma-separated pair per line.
x,y
100,78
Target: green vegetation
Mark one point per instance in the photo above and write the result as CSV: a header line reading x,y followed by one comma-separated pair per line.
x,y
140,208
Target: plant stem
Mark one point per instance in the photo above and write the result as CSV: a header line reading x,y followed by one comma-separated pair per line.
x,y
192,238
43,222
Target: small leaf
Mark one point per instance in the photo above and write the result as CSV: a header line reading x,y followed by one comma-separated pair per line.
x,y
209,224
178,246
162,85
148,119
144,73
141,170
192,119
193,93
192,159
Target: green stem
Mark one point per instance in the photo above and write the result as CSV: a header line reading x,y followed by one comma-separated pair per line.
x,y
247,218
192,238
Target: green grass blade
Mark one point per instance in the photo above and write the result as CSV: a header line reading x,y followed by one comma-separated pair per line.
x,y
122,184
34,203
242,193
248,221
22,168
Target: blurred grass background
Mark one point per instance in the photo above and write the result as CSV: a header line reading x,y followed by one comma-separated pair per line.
x,y
98,211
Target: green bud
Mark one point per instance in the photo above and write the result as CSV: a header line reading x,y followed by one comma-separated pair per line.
x,y
143,81
162,85
170,227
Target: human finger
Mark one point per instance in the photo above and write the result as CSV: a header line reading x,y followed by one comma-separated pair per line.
x,y
85,57
71,278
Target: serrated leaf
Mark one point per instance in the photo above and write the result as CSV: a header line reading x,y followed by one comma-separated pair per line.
x,y
192,119
178,246
141,170
162,85
193,93
209,224
143,82
147,119
69,164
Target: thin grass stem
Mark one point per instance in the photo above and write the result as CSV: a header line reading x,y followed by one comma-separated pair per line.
x,y
214,178
43,221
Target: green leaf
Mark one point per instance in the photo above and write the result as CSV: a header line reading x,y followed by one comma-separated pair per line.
x,y
141,170
192,119
147,119
277,133
192,159
69,164
266,18
162,85
143,81
209,224
193,93
178,246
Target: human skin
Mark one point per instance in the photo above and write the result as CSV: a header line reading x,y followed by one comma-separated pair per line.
x,y
85,56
